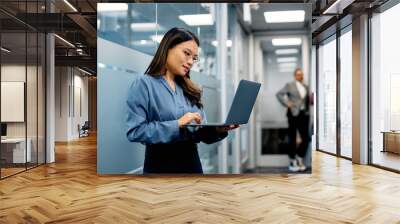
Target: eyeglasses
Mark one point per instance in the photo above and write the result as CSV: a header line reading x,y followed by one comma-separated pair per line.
x,y
188,55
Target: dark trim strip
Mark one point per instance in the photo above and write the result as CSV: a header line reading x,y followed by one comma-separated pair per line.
x,y
0,96
338,74
316,100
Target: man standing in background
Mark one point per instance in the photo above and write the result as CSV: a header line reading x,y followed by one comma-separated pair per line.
x,y
295,96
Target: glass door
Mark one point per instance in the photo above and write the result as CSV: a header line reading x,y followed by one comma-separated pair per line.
x,y
346,92
326,105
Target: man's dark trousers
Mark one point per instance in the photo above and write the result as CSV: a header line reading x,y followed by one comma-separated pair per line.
x,y
298,123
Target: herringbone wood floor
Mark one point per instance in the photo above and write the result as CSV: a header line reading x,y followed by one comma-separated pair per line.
x,y
70,191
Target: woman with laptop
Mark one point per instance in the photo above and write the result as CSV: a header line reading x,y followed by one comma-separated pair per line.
x,y
163,101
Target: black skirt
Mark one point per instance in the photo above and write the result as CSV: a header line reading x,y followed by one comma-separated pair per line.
x,y
180,157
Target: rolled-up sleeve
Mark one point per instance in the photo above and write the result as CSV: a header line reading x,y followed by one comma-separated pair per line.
x,y
139,128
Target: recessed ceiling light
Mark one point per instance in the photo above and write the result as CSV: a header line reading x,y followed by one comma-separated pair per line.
x,y
206,5
143,42
84,71
247,13
70,5
284,16
286,70
286,51
337,7
5,50
101,65
64,40
286,41
287,65
228,43
112,7
197,19
157,38
144,26
286,59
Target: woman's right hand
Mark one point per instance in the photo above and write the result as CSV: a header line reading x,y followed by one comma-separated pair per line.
x,y
188,118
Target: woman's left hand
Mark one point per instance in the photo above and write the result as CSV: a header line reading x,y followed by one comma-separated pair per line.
x,y
226,128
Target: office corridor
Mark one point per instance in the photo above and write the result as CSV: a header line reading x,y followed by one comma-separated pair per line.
x,y
70,191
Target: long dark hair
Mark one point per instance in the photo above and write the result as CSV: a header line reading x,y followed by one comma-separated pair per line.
x,y
172,38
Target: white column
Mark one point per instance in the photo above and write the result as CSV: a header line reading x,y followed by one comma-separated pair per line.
x,y
251,138
256,125
50,98
222,32
305,55
235,58
360,90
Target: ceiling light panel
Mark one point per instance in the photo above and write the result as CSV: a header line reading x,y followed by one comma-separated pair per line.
x,y
144,26
286,51
286,59
197,19
5,50
284,16
286,70
287,65
228,43
286,41
112,7
70,5
65,41
157,38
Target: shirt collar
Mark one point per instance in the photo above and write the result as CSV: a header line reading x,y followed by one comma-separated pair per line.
x,y
166,85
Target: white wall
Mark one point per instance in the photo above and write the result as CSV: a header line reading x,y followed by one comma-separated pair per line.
x,y
70,83
17,73
33,126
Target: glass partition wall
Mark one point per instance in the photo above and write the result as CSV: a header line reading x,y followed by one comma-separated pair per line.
x,y
327,96
140,27
385,89
346,92
22,88
334,99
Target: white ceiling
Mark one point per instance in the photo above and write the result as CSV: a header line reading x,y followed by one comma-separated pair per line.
x,y
258,21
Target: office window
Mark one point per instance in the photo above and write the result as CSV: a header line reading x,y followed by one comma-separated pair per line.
x,y
346,92
385,89
327,96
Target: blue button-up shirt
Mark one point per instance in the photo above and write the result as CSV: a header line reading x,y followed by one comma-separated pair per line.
x,y
154,109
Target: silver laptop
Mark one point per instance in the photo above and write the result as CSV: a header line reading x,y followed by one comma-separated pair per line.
x,y
242,105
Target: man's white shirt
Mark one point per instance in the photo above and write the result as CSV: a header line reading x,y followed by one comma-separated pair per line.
x,y
302,90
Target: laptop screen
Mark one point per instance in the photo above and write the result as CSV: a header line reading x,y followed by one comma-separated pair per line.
x,y
243,102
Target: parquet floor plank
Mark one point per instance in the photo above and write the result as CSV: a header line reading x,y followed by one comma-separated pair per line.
x,y
70,191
